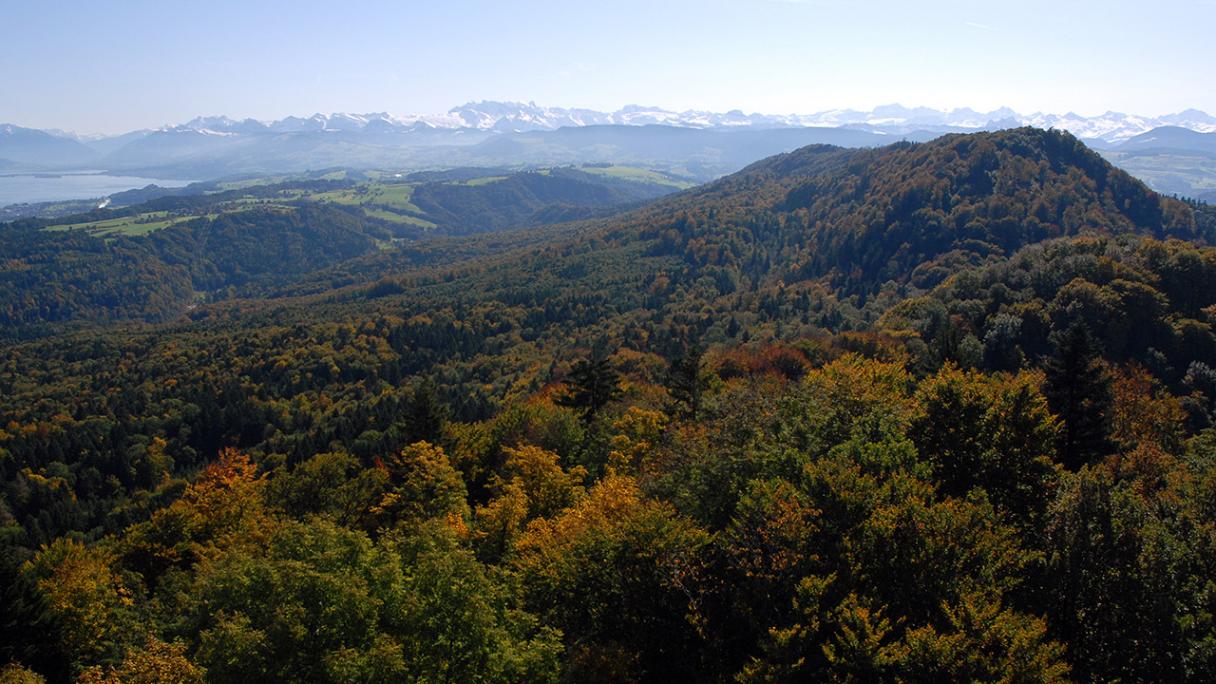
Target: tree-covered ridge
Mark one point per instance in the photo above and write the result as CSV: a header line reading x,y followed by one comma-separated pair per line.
x,y
910,212
491,329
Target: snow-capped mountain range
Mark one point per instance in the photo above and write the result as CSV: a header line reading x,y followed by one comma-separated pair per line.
x,y
1111,127
511,134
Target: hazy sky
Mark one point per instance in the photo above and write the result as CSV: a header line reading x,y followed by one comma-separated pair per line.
x,y
106,66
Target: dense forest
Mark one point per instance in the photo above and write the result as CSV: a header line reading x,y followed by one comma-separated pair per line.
x,y
53,277
929,412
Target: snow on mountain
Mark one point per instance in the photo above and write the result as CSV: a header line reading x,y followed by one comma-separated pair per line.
x,y
1192,119
894,119
221,125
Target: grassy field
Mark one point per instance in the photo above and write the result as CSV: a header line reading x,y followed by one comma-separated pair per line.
x,y
1169,173
398,218
388,202
484,180
395,196
251,182
140,224
638,174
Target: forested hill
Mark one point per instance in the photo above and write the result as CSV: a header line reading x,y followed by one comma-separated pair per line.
x,y
909,213
809,244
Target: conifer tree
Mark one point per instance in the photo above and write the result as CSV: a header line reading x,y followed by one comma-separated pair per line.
x,y
425,414
1078,390
685,382
593,382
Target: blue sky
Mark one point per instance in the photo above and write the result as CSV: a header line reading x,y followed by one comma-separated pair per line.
x,y
109,65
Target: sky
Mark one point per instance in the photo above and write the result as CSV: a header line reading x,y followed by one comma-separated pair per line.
x,y
107,66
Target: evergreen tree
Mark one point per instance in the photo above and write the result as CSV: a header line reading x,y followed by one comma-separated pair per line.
x,y
686,382
1078,390
425,415
593,382
28,628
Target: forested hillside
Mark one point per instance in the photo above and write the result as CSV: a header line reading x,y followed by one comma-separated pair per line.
x,y
157,259
59,276
535,198
930,412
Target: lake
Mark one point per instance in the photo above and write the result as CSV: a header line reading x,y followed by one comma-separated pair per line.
x,y
16,188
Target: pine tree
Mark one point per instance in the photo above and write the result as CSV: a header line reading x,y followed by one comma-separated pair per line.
x,y
425,415
686,382
592,384
1078,390
29,629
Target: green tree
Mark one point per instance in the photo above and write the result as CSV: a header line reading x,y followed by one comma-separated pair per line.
x,y
326,604
686,381
461,624
154,662
422,485
425,415
983,642
28,627
593,383
1078,390
332,485
615,573
1096,594
992,433
88,598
